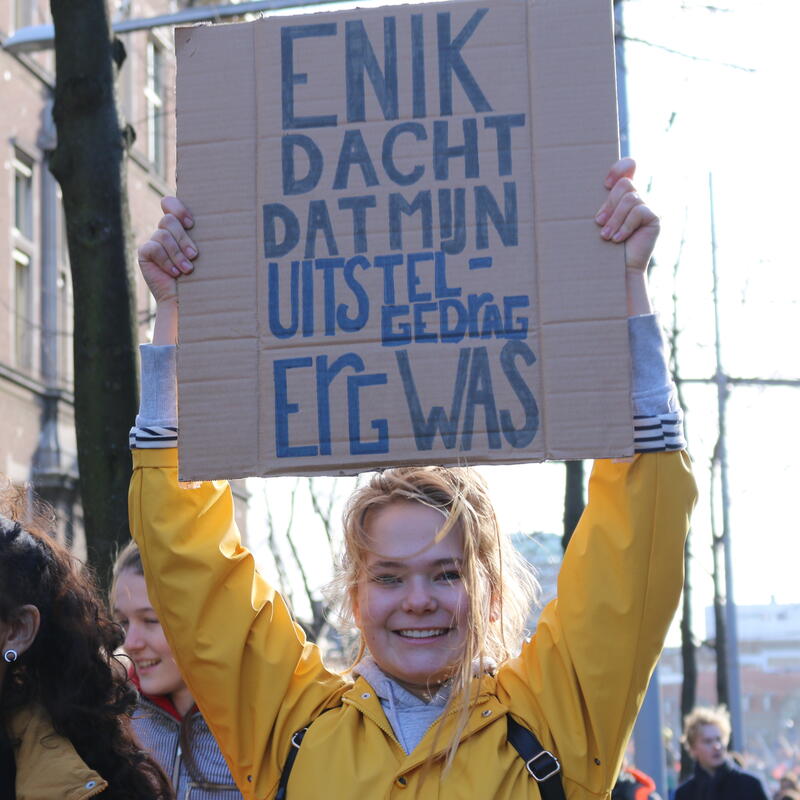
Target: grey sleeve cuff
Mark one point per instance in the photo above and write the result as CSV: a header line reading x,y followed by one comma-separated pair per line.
x,y
657,417
157,420
652,389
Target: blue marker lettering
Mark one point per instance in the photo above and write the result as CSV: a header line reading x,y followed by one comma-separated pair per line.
x,y
505,224
283,408
360,58
450,61
480,393
290,78
437,421
358,447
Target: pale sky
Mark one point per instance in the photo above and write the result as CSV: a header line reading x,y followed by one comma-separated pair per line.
x,y
743,127
692,112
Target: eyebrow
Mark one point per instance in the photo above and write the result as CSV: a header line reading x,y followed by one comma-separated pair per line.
x,y
143,610
440,562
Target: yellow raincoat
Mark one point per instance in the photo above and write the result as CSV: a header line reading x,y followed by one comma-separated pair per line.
x,y
577,684
48,766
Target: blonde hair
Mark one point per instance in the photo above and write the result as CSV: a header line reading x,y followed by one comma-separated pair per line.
x,y
705,715
499,583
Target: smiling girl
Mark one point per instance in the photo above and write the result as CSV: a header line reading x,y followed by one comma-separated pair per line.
x,y
443,682
166,720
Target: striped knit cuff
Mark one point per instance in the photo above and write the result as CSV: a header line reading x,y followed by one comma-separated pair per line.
x,y
156,424
152,437
662,432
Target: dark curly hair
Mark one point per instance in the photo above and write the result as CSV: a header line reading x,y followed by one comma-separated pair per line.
x,y
70,669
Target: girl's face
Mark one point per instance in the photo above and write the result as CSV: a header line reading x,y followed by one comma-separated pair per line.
x,y
145,642
411,603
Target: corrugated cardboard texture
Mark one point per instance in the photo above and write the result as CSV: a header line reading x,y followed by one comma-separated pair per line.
x,y
360,179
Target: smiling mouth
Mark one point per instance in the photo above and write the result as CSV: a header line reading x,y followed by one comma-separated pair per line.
x,y
420,633
150,662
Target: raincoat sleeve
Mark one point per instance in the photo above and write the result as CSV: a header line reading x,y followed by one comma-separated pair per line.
x,y
579,682
246,662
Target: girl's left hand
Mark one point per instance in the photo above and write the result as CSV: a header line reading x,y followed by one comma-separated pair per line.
x,y
625,217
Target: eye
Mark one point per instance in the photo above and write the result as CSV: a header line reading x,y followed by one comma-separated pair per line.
x,y
385,579
449,575
151,621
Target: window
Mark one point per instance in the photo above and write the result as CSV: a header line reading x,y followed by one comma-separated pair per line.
x,y
23,13
23,195
25,258
65,327
125,81
65,305
154,94
23,311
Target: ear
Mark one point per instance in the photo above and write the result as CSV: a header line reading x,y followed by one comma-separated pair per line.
x,y
355,605
22,629
494,608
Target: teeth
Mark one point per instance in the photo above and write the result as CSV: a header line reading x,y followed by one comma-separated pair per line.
x,y
145,664
423,634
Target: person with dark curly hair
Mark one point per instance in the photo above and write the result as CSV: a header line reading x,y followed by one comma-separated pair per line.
x,y
65,729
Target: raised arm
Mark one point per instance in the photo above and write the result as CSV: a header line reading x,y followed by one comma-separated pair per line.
x,y
625,218
581,679
246,662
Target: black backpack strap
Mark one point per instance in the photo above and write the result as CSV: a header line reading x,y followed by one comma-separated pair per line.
x,y
297,739
541,764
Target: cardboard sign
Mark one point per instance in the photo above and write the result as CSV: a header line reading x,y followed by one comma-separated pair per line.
x,y
398,259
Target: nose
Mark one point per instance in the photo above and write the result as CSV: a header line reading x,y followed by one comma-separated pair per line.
x,y
133,638
418,598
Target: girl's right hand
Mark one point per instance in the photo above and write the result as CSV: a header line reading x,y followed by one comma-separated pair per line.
x,y
169,252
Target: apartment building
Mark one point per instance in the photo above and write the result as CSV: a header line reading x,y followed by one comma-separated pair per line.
x,y
37,434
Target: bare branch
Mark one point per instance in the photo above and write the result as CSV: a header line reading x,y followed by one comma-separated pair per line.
x,y
680,53
318,617
283,580
325,515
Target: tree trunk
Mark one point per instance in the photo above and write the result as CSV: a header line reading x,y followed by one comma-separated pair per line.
x,y
89,164
574,500
718,578
720,630
688,658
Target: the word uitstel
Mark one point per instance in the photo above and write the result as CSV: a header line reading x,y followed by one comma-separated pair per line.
x,y
415,299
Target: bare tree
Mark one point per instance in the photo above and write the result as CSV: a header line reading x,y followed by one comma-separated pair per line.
x,y
284,584
323,507
314,625
688,642
718,578
574,499
89,163
324,496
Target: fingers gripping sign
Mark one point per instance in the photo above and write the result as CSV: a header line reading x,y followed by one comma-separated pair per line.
x,y
169,252
625,217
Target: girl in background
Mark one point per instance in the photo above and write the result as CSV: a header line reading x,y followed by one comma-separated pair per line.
x,y
166,720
